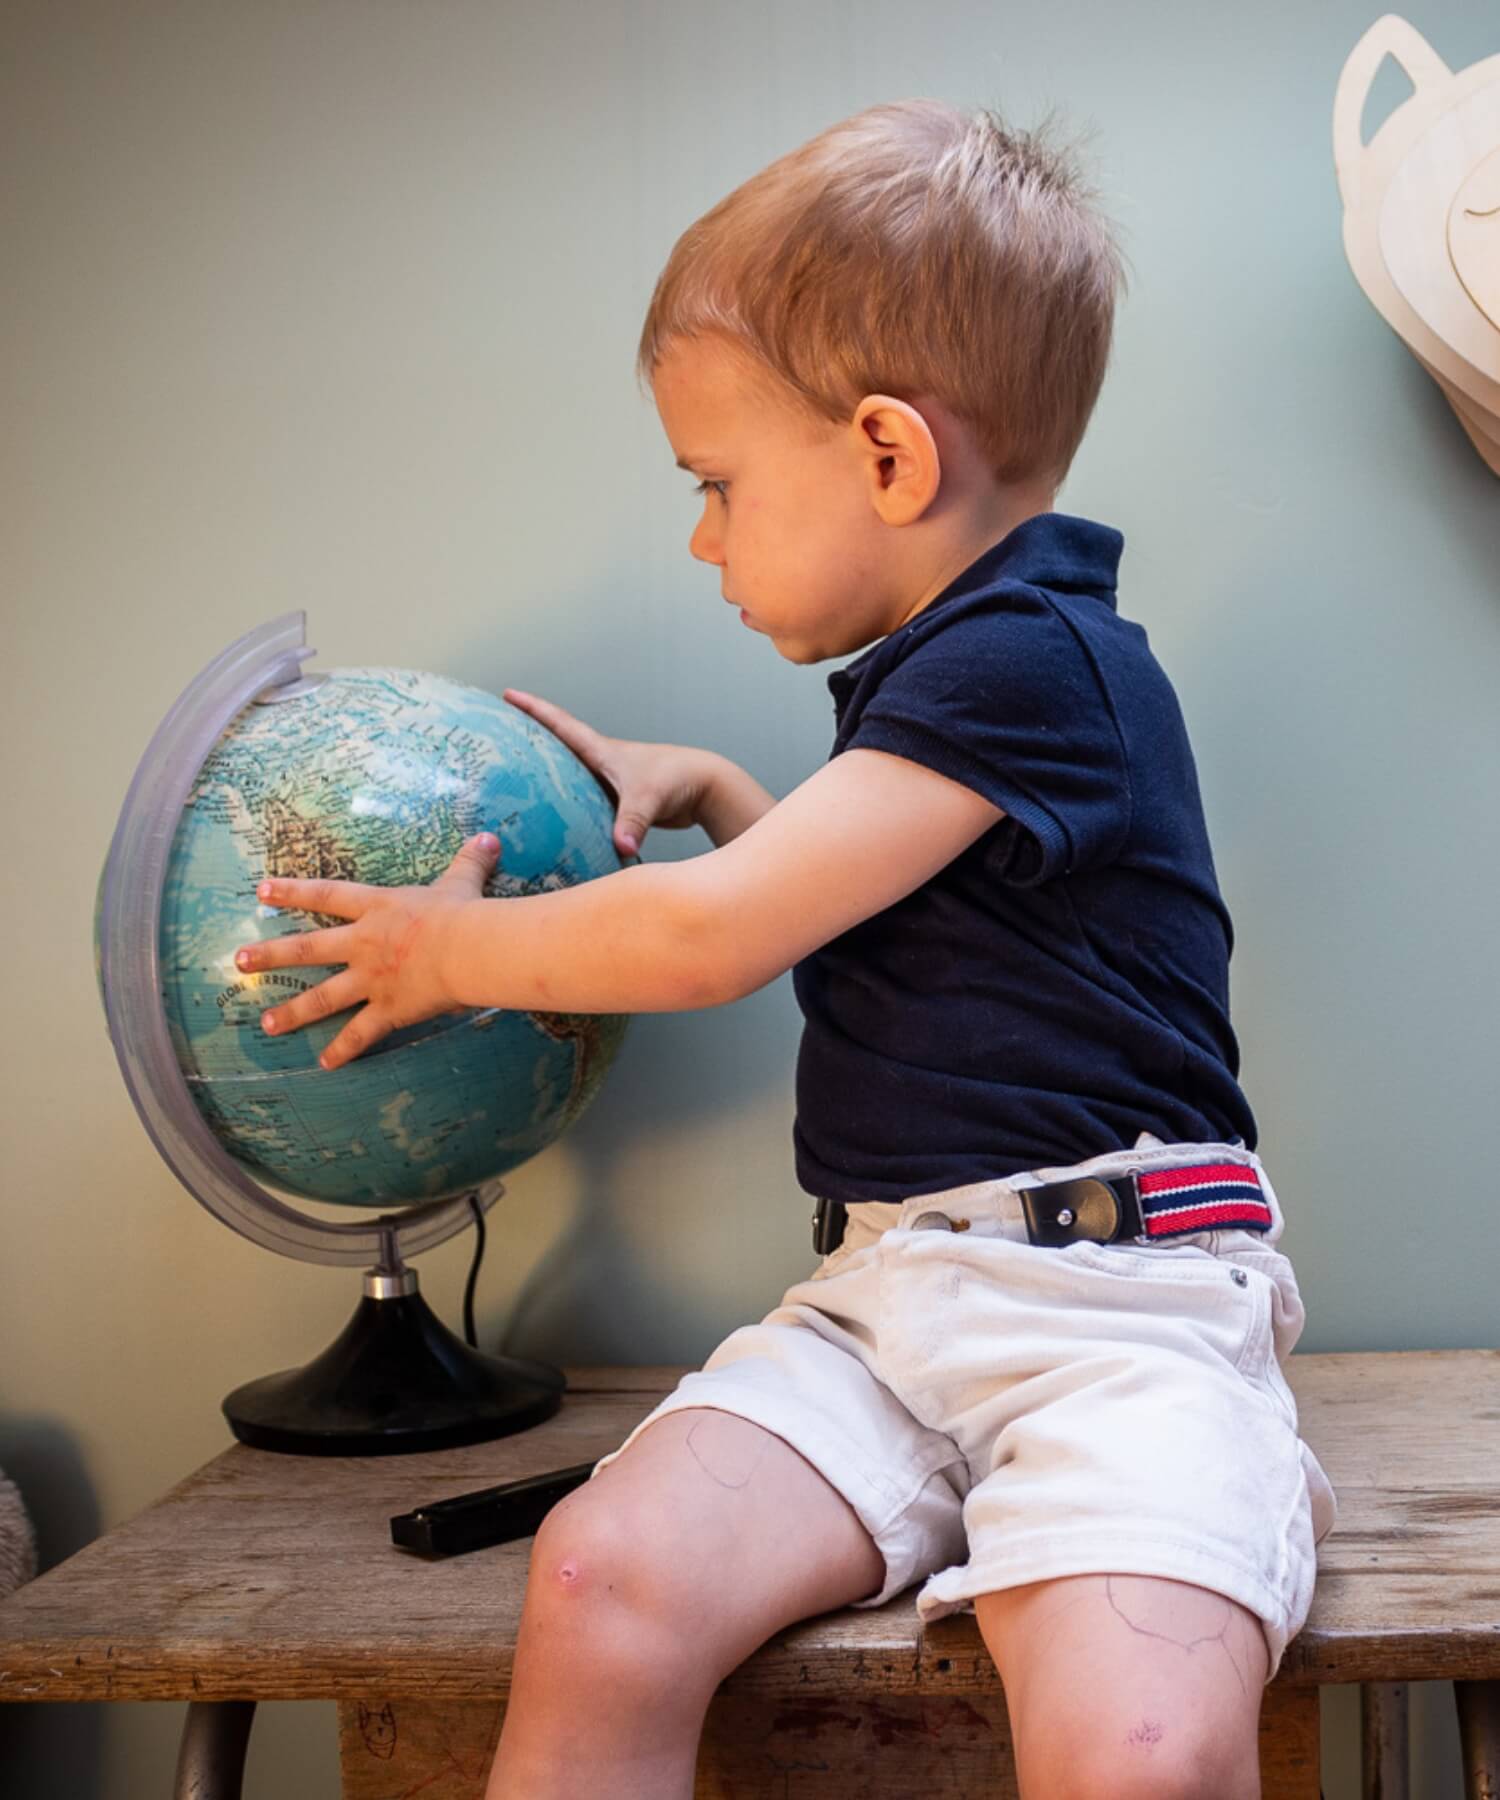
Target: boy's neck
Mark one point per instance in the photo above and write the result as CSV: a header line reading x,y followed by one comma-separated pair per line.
x,y
960,539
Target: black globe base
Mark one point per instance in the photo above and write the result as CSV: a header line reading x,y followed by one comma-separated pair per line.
x,y
394,1380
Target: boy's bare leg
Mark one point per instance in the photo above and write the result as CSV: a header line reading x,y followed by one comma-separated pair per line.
x,y
647,1586
1129,1686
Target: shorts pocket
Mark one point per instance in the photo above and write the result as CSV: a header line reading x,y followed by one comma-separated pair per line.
x,y
1280,1325
1167,1293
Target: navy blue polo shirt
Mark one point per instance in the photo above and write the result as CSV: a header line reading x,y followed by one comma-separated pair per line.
x,y
1063,985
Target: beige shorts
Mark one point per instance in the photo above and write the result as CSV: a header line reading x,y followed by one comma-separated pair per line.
x,y
997,1413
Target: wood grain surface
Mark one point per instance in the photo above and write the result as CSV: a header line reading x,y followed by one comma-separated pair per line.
x,y
273,1577
894,1747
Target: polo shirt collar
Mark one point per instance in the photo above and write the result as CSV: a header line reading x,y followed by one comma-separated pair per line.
x,y
1049,550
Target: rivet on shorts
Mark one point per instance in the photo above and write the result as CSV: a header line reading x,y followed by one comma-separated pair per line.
x,y
1238,1277
1065,1216
932,1221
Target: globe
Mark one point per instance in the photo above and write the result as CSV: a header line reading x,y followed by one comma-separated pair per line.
x,y
377,776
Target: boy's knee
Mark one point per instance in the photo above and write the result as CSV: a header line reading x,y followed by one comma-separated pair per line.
x,y
600,1585
588,1555
578,1546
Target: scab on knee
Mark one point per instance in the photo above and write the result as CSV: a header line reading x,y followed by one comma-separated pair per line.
x,y
568,1574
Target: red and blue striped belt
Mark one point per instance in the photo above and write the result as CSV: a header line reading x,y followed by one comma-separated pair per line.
x,y
1147,1206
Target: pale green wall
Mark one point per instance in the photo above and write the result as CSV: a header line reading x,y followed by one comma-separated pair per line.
x,y
331,303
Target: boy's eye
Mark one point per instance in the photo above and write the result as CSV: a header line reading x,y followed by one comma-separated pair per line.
x,y
711,487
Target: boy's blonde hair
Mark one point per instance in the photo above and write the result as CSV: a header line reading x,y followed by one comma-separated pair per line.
x,y
913,250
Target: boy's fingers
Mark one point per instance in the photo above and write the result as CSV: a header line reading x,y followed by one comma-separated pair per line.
x,y
472,865
582,739
631,826
335,995
363,1030
343,899
298,949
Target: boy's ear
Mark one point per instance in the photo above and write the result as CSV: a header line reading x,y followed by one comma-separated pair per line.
x,y
900,455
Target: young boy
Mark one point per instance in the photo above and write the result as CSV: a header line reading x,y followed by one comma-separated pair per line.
x,y
1040,1371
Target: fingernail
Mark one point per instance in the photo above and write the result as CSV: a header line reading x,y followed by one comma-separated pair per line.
x,y
242,959
629,844
488,841
323,1062
268,1020
263,892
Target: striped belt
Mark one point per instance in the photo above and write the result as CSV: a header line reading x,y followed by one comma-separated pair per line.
x,y
1146,1207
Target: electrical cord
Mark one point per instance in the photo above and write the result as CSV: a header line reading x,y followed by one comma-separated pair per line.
x,y
470,1337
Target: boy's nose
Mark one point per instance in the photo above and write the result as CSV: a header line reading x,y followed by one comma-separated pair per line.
x,y
704,543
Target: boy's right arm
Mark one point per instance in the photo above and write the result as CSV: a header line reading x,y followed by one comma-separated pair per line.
x,y
668,785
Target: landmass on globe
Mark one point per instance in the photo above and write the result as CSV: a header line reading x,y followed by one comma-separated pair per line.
x,y
376,776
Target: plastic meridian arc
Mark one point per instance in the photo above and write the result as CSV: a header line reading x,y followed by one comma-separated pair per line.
x,y
130,974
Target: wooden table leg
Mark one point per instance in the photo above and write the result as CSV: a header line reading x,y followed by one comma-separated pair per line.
x,y
1478,1704
1290,1723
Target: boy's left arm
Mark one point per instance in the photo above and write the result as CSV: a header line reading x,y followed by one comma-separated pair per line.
x,y
861,834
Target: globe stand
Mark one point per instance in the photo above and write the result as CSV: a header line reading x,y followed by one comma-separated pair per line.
x,y
395,1378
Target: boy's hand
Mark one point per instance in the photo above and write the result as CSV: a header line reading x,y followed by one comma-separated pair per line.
x,y
394,953
651,784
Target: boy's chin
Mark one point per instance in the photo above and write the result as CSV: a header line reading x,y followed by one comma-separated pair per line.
x,y
802,654
806,653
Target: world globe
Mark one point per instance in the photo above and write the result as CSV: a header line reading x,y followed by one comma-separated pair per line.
x,y
376,776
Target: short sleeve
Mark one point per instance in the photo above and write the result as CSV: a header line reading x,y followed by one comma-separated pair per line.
x,y
1008,701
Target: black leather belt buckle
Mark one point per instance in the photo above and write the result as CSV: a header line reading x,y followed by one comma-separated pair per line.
x,y
1087,1211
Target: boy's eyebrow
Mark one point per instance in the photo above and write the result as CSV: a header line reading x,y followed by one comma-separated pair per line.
x,y
691,463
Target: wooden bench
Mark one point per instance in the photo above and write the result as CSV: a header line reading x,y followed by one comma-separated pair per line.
x,y
272,1577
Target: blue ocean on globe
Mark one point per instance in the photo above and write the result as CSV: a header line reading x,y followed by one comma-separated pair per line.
x,y
375,775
